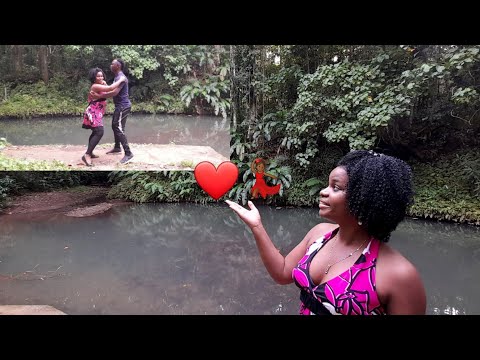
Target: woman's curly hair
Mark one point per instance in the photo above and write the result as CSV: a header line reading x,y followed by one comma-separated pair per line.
x,y
379,190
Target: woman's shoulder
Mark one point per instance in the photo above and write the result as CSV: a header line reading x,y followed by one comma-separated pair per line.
x,y
394,268
320,230
325,227
395,263
397,277
95,87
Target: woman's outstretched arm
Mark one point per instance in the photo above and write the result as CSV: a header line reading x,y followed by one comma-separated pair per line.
x,y
279,267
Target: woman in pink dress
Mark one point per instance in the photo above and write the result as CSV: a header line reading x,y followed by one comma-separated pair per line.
x,y
344,265
93,115
258,168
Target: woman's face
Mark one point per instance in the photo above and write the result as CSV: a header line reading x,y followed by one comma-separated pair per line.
x,y
260,167
99,77
333,198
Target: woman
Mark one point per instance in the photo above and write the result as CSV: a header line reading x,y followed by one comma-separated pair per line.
x,y
347,267
258,168
93,115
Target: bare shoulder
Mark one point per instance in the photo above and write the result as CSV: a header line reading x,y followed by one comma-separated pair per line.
x,y
318,231
399,284
95,87
392,263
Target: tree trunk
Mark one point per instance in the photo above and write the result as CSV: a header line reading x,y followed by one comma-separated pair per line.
x,y
233,88
216,57
17,51
43,62
252,99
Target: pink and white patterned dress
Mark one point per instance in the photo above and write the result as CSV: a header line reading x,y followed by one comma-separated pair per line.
x,y
351,293
93,115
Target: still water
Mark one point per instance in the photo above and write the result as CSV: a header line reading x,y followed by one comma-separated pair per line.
x,y
210,131
196,259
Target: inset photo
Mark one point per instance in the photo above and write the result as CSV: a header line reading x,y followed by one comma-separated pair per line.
x,y
106,108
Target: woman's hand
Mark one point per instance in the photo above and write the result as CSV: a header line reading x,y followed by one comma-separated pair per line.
x,y
250,217
94,95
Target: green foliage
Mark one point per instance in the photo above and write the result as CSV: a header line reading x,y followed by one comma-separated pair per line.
x,y
313,185
209,90
187,163
310,180
139,58
157,73
280,88
444,191
3,143
241,191
38,99
157,186
11,164
414,101
300,194
239,146
161,104
469,166
19,182
464,96
444,104
345,102
6,185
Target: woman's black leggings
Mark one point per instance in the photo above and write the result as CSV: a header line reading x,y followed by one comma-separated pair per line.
x,y
94,139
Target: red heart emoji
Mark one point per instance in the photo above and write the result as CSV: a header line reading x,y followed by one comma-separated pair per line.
x,y
216,182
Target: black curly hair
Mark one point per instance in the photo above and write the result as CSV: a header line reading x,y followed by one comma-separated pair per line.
x,y
92,74
379,191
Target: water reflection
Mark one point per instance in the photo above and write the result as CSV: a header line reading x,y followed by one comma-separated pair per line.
x,y
447,257
196,259
210,131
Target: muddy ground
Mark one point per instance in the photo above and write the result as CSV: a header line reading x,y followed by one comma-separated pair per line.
x,y
77,202
80,201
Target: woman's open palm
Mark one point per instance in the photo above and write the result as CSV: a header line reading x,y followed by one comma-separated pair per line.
x,y
250,217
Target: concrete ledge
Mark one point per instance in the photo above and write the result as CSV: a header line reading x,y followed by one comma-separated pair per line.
x,y
29,310
148,157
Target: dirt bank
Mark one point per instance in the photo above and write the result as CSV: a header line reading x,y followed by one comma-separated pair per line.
x,y
78,202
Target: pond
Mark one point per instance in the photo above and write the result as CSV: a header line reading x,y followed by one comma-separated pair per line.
x,y
196,259
210,131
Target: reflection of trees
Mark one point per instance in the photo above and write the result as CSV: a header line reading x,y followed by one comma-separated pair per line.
x,y
219,270
440,234
155,129
182,259
162,224
279,224
216,136
39,131
446,256
181,130
196,259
